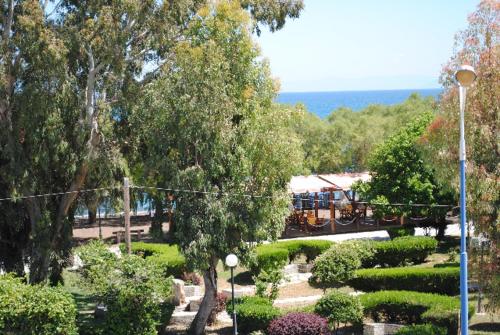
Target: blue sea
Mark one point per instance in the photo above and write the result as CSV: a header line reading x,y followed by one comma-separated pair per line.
x,y
323,103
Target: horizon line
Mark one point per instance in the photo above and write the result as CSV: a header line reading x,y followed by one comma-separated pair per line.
x,y
366,90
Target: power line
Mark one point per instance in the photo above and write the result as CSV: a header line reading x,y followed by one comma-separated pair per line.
x,y
58,193
261,196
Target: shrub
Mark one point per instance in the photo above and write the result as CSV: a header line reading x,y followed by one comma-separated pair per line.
x,y
426,329
264,279
447,265
220,305
406,230
166,256
339,308
431,280
299,324
402,250
278,253
334,267
269,256
254,313
309,248
365,249
35,309
411,307
135,292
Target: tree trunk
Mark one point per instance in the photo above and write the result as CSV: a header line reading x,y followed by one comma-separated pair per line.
x,y
207,304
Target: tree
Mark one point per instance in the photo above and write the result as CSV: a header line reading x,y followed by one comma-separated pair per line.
x,y
344,140
208,124
63,90
478,45
401,174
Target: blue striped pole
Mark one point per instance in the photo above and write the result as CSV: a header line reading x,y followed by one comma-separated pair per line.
x,y
464,293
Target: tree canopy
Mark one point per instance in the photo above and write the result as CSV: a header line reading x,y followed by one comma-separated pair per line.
x,y
344,140
207,123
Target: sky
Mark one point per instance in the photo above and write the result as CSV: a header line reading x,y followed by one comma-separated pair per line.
x,y
345,45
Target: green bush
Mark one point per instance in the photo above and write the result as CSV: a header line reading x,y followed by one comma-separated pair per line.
x,y
253,313
442,281
395,232
447,265
277,254
339,308
133,289
35,309
335,267
309,248
165,256
426,329
269,257
409,307
402,250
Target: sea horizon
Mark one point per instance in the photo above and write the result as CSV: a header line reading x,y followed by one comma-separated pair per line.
x,y
322,103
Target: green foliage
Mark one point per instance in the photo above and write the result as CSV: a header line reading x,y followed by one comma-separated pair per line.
x,y
431,280
166,257
395,232
346,138
309,248
269,257
401,174
276,255
254,313
335,267
272,277
425,329
35,309
135,291
339,307
402,251
411,307
447,265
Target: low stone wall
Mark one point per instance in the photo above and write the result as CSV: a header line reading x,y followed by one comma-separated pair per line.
x,y
380,328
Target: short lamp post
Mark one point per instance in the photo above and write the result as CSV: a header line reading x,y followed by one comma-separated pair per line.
x,y
465,76
231,262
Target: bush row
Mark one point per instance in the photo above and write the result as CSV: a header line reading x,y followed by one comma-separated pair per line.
x,y
400,251
425,329
35,309
165,256
269,256
254,313
431,280
410,307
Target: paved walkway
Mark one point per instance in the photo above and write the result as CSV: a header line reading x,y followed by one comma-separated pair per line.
x,y
451,230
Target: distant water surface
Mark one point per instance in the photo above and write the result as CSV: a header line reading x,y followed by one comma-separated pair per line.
x,y
323,103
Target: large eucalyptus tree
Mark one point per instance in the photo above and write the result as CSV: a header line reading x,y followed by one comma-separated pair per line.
x,y
208,124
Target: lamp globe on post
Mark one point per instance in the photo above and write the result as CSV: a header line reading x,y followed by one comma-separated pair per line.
x,y
232,262
465,76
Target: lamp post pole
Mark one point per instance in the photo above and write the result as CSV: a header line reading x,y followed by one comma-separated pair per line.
x,y
231,262
465,76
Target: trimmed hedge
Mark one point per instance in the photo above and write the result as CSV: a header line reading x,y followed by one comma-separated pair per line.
x,y
409,307
401,251
299,324
253,313
279,253
395,232
426,329
339,307
166,256
431,280
447,265
35,309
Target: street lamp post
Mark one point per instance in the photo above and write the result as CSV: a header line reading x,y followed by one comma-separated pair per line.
x,y
465,76
231,262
